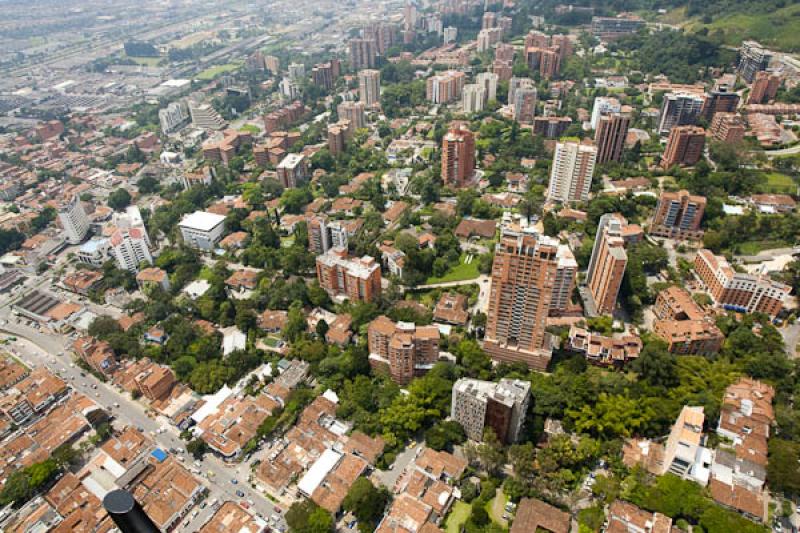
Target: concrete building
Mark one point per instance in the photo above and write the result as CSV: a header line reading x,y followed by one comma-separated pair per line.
x,y
478,405
290,88
753,58
202,229
678,215
74,220
551,127
450,34
607,264
402,349
684,146
523,279
445,87
363,53
524,104
293,171
610,135
472,98
353,112
173,116
546,61
488,80
679,109
604,105
131,248
720,100
297,71
571,175
727,128
515,84
765,87
206,117
324,234
738,291
369,87
346,277
610,28
458,157
488,38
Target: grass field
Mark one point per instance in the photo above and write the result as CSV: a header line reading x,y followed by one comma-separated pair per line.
x,y
251,128
459,272
753,247
778,183
777,29
212,72
146,61
458,516
490,508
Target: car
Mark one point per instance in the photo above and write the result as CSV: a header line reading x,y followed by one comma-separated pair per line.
x,y
116,404
245,505
240,493
83,374
203,505
278,509
94,386
235,481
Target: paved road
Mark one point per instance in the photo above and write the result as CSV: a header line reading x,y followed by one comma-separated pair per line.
x,y
389,477
480,280
786,151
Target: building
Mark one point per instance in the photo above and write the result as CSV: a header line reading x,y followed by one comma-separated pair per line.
x,y
353,112
324,234
99,355
363,53
604,351
679,109
564,282
472,98
737,291
291,88
202,229
753,58
451,309
293,171
524,104
232,517
515,84
131,248
607,264
765,87
458,157
284,116
624,517
153,277
678,215
523,278
450,34
547,61
478,405
684,325
503,69
337,137
535,515
551,127
684,146
571,175
325,74
155,382
610,28
610,135
273,64
488,80
206,117
74,220
720,100
727,128
604,105
405,350
369,87
489,37
173,116
444,87
345,277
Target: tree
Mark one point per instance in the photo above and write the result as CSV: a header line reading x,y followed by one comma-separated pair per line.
x,y
444,434
490,452
656,365
366,502
103,327
308,517
148,185
119,199
322,329
295,322
783,469
197,448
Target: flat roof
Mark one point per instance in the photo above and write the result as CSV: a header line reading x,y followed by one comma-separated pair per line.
x,y
202,221
313,478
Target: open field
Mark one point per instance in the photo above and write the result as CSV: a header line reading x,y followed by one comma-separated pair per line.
x,y
459,272
212,72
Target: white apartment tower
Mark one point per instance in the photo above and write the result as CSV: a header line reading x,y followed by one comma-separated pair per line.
x,y
173,116
488,80
604,105
472,98
571,175
74,220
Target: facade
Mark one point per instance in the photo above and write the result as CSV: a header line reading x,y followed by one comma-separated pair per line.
x,y
173,116
405,350
524,105
720,100
515,84
679,109
131,248
523,279
324,234
604,351
604,105
363,53
202,229
458,157
488,80
684,146
353,112
571,175
551,127
737,291
369,87
74,220
727,128
478,405
345,277
564,282
678,215
472,98
753,58
445,87
609,28
489,37
293,171
765,87
684,325
607,264
206,117
610,135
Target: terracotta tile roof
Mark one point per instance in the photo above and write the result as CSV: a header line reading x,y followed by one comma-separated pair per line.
x,y
533,514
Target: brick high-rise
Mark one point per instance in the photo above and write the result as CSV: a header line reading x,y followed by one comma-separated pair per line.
x,y
445,87
684,146
501,406
721,100
765,87
523,277
678,215
612,129
348,277
369,87
607,264
363,53
458,157
727,128
547,61
405,350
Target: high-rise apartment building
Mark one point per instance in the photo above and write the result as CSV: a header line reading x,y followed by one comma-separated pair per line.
x,y
488,38
173,116
727,128
720,100
738,291
684,146
488,80
206,117
765,87
445,87
353,112
503,69
524,105
405,350
358,279
472,98
74,220
612,129
607,264
363,53
369,87
604,105
523,278
678,215
297,71
679,109
489,20
324,234
130,248
571,175
325,74
504,52
753,58
273,64
515,84
551,127
450,34
293,171
458,157
547,61
337,137
384,34
478,405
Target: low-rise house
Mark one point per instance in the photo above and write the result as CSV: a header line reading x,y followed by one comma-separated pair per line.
x,y
773,203
242,283
602,350
624,517
97,354
451,309
153,277
536,515
235,241
83,281
471,227
273,321
684,325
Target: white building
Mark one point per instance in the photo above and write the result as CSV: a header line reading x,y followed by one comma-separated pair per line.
x,y
571,175
206,117
488,37
292,170
131,248
130,219
488,80
603,105
94,252
514,84
74,220
450,34
297,71
202,229
290,88
173,116
472,98
501,406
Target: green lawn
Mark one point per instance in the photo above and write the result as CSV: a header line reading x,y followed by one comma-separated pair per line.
x,y
778,183
205,273
272,341
775,29
457,517
753,247
251,128
147,61
490,508
460,272
212,72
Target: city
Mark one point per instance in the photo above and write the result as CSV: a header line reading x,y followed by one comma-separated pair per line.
x,y
413,266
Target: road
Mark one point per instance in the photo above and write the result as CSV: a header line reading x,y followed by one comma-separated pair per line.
x,y
785,151
38,348
389,477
